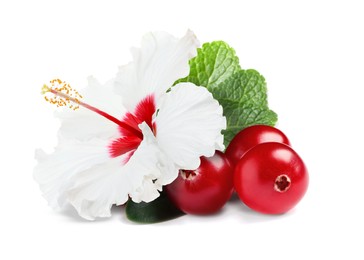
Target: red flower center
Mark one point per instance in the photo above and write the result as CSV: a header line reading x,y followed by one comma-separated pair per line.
x,y
132,136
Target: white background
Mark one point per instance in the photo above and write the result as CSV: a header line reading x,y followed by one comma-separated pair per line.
x,y
312,56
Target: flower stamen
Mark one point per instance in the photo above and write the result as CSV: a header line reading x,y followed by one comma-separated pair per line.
x,y
64,95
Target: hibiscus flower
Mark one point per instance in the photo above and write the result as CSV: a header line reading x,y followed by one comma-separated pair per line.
x,y
134,133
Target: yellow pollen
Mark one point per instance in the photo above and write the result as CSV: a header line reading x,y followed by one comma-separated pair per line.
x,y
61,94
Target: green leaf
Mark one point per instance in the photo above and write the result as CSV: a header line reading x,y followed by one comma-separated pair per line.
x,y
241,93
214,63
243,97
161,209
246,87
242,117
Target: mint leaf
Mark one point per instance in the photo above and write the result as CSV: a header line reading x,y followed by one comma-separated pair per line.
x,y
241,93
242,117
243,97
246,87
160,209
214,63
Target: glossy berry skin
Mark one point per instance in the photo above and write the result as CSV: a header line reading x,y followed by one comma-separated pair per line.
x,y
252,136
271,178
204,190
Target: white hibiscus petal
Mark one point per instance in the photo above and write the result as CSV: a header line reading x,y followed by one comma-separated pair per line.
x,y
84,124
95,190
152,167
54,171
161,60
148,191
189,124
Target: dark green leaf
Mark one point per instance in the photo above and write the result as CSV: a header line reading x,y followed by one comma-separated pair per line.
x,y
161,209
